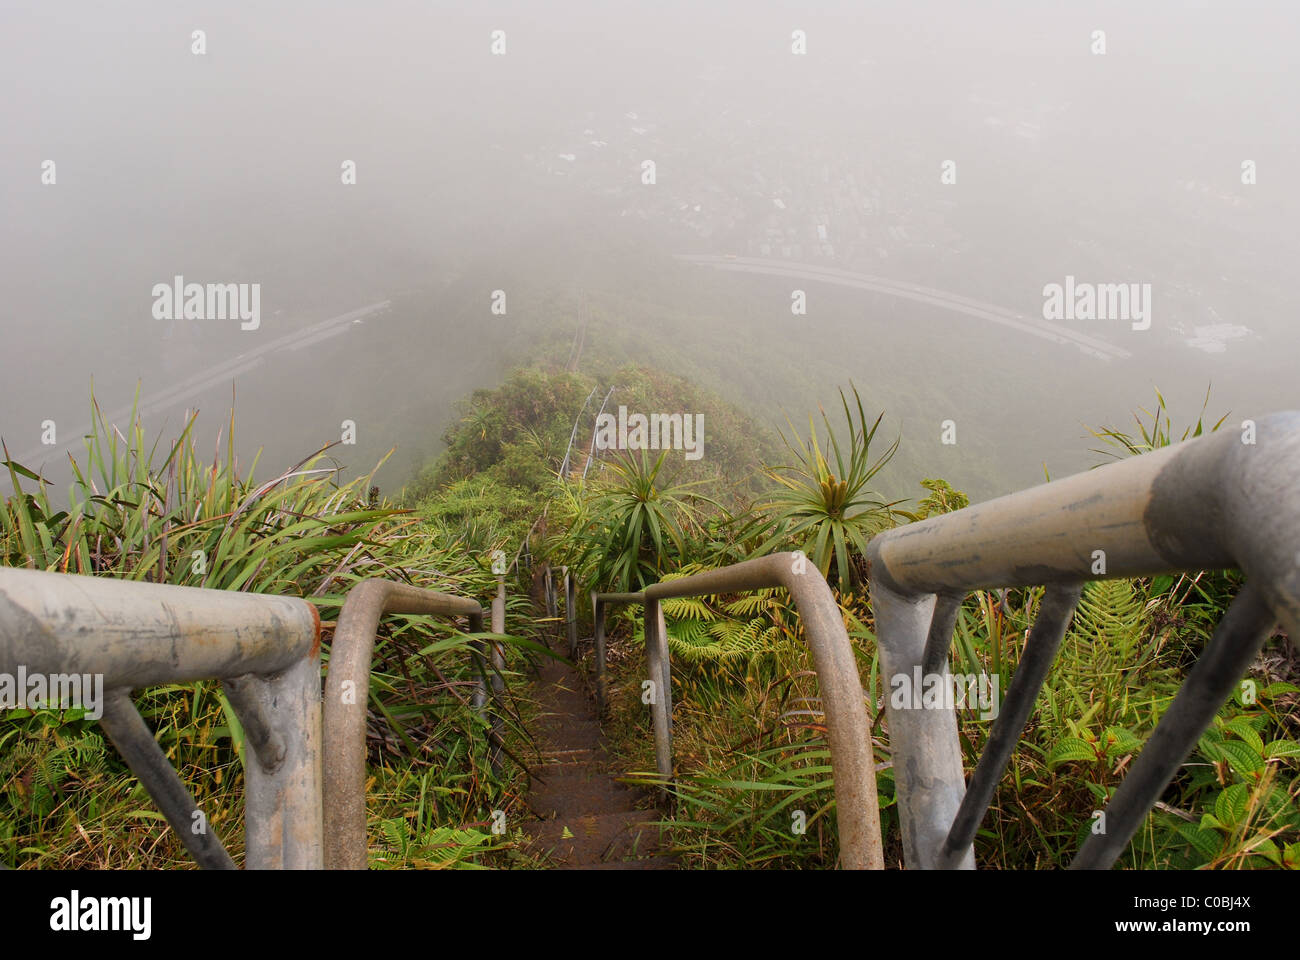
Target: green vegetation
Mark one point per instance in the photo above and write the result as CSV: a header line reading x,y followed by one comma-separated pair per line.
x,y
1128,647
517,434
828,506
631,529
1159,432
167,516
754,786
752,756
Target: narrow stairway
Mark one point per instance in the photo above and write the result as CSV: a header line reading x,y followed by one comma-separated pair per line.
x,y
588,821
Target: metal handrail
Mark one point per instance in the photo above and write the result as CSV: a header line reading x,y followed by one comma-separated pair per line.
x,y
1210,503
127,634
347,685
551,600
305,779
848,725
1220,501
599,603
570,613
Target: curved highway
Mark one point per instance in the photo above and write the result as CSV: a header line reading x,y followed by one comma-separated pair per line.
x,y
203,380
911,291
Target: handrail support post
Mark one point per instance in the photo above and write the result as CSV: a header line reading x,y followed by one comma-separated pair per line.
x,y
656,643
924,743
283,814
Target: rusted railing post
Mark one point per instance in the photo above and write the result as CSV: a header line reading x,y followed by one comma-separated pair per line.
x,y
549,585
659,688
598,641
927,767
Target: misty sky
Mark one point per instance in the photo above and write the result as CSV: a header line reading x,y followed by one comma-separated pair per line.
x,y
523,172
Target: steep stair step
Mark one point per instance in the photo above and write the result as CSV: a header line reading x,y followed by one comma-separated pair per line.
x,y
645,863
568,755
580,792
586,818
564,768
568,733
550,760
596,838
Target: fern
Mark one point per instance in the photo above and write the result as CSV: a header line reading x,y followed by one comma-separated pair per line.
x,y
722,637
1109,613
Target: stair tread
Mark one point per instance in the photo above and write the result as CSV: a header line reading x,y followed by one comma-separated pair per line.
x,y
573,792
595,837
646,863
597,817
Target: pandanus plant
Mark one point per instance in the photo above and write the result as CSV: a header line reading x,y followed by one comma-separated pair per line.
x,y
634,526
825,502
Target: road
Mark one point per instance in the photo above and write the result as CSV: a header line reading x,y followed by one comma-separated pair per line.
x,y
911,291
224,372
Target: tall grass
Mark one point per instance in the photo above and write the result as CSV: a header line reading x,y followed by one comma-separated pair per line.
x,y
165,513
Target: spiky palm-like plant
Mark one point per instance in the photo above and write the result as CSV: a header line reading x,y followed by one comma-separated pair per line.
x,y
826,502
632,526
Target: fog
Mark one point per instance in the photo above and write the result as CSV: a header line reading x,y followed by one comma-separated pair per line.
x,y
950,160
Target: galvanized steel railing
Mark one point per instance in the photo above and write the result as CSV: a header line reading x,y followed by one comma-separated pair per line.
x,y
347,688
1221,501
848,725
552,605
264,649
600,603
304,775
570,613
1211,503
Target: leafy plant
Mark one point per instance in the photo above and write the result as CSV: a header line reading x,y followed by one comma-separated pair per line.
x,y
149,511
631,528
942,499
825,503
1153,435
717,642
